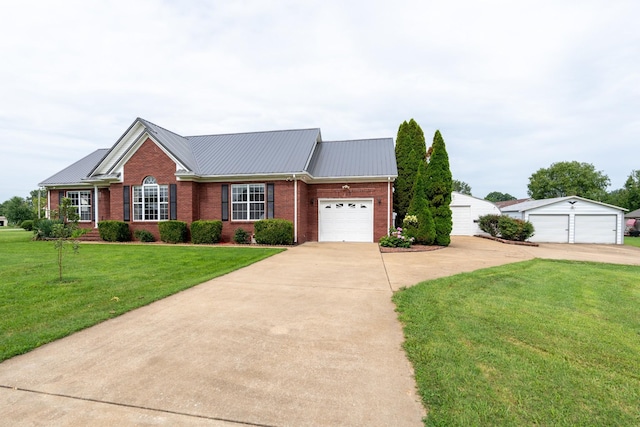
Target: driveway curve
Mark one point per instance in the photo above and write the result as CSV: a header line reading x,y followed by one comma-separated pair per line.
x,y
306,337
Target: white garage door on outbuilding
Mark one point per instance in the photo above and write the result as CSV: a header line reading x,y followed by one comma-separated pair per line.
x,y
596,229
571,219
550,228
465,211
345,220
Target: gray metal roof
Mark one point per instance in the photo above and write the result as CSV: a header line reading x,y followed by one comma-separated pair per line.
x,y
355,158
76,172
532,204
177,145
255,153
284,151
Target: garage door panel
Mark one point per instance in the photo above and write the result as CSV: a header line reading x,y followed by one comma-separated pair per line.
x,y
461,219
596,229
550,228
348,220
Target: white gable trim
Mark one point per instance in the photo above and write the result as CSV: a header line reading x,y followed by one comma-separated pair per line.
x,y
125,148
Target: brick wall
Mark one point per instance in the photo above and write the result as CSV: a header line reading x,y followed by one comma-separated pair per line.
x,y
150,160
374,190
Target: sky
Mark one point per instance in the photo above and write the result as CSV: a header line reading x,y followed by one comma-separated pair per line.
x,y
513,86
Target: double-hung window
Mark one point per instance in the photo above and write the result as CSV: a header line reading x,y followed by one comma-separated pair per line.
x,y
150,201
247,202
81,200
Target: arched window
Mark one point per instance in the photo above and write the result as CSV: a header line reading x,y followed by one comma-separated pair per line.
x,y
150,201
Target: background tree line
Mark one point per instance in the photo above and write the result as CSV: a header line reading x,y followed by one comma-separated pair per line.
x,y
18,209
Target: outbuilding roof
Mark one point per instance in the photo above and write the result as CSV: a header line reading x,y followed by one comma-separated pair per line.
x,y
533,204
633,214
253,153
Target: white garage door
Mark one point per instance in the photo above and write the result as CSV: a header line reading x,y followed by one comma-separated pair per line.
x,y
596,229
462,223
345,220
550,228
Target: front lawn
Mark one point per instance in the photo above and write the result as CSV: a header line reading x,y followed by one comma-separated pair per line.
x,y
539,342
100,282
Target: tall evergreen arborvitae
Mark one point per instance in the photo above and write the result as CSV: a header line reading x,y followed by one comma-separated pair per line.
x,y
439,184
425,233
410,150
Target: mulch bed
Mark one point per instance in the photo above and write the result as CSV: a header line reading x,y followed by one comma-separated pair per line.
x,y
508,242
413,248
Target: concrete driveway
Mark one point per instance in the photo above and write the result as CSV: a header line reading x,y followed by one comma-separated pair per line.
x,y
307,337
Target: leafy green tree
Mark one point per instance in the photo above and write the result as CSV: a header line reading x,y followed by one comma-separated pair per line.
x,y
568,179
439,185
410,151
63,230
617,198
496,196
632,189
462,187
17,210
424,232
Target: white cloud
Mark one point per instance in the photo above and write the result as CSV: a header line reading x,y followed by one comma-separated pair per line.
x,y
513,86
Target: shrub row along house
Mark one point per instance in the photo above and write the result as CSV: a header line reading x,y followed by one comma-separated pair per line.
x,y
329,190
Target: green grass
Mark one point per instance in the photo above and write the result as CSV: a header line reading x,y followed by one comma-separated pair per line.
x,y
100,282
533,343
632,241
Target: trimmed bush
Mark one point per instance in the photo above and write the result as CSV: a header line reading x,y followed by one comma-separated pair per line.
x,y
27,224
241,236
489,224
274,232
514,229
173,231
114,231
144,236
206,232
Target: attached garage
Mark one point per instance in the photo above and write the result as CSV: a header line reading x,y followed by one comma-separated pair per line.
x,y
465,211
345,220
571,219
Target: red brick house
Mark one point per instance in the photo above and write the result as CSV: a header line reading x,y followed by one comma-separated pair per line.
x,y
330,190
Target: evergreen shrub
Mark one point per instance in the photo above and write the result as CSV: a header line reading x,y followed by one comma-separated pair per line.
x,y
206,232
173,231
144,236
114,231
274,232
241,236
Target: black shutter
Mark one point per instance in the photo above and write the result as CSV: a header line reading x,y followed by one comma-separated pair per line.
x,y
173,201
225,202
270,204
126,202
60,197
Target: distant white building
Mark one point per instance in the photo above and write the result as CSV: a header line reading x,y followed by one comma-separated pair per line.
x,y
3,221
465,212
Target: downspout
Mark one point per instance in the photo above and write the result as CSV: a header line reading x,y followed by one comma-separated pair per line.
x,y
39,191
389,207
48,215
295,209
95,205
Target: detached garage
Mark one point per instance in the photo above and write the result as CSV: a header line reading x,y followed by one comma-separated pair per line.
x,y
465,211
571,219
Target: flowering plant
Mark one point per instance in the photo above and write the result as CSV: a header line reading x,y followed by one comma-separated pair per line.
x,y
410,221
396,239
